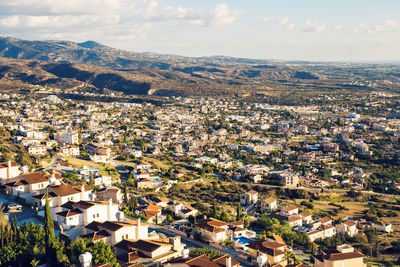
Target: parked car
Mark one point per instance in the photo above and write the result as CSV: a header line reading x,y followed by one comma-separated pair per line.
x,y
14,207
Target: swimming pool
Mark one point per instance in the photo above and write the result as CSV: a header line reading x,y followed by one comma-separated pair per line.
x,y
243,240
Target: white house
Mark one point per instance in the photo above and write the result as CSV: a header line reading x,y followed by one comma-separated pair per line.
x,y
113,232
383,227
70,150
84,212
8,170
347,228
250,197
269,204
215,229
67,138
62,193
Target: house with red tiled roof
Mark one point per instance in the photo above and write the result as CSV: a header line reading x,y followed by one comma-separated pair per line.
x,y
324,231
248,198
202,260
217,230
31,183
74,214
343,255
347,228
117,231
61,193
8,170
151,250
273,250
152,212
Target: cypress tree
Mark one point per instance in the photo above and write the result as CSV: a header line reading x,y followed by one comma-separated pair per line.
x,y
49,230
126,196
214,211
91,182
238,212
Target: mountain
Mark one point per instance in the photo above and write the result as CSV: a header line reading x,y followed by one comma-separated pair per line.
x,y
91,66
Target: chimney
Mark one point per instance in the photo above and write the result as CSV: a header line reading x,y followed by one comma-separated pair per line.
x,y
109,206
82,191
9,170
228,261
138,229
176,243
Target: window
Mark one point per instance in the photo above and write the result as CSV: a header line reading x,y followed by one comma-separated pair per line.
x,y
126,236
98,215
94,216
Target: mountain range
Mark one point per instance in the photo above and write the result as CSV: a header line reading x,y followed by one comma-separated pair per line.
x,y
91,66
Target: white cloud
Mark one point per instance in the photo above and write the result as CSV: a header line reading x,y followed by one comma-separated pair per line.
x,y
120,19
384,27
284,21
290,27
314,26
337,27
223,15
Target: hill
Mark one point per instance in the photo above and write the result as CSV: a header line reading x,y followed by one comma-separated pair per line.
x,y
91,66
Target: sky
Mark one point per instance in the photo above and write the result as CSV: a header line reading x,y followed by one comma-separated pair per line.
x,y
312,30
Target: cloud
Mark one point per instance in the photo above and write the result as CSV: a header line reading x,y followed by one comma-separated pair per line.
x,y
119,19
314,26
290,27
223,15
384,27
337,27
284,21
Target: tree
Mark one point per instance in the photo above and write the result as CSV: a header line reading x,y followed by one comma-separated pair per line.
x,y
238,212
34,262
288,256
91,180
126,195
214,211
49,231
100,251
210,253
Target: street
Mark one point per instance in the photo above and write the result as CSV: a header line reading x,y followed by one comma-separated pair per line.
x,y
190,243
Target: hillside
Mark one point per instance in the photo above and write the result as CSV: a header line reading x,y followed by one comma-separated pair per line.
x,y
91,66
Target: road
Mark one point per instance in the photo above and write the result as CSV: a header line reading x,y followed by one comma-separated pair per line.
x,y
196,244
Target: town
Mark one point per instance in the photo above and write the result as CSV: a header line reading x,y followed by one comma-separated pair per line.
x,y
205,181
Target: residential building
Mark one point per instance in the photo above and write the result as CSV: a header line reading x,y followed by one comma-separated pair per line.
x,y
382,227
202,260
274,251
67,138
69,150
37,150
215,229
347,228
113,232
110,192
248,198
269,204
340,256
8,170
81,213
